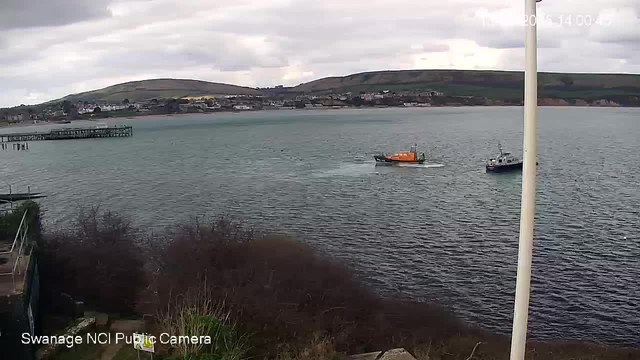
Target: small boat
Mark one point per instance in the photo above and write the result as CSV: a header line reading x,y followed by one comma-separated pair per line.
x,y
408,157
504,162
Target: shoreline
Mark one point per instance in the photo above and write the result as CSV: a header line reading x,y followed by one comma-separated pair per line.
x,y
6,125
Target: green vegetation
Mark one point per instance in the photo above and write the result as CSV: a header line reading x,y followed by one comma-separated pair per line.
x,y
195,314
500,86
138,91
80,352
10,222
494,85
126,353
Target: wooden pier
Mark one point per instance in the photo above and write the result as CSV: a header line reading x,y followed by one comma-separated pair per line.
x,y
70,133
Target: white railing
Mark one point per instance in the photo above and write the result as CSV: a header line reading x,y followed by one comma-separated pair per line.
x,y
18,247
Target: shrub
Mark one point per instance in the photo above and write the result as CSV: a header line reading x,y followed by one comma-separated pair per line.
x,y
10,222
319,348
97,261
280,291
283,291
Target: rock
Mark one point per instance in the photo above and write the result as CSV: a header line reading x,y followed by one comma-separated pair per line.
x,y
127,327
49,351
102,321
552,102
366,356
394,354
397,354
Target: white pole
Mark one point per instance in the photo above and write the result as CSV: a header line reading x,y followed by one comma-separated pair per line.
x,y
527,210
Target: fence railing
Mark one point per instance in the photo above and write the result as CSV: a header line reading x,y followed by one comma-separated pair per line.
x,y
12,197
17,251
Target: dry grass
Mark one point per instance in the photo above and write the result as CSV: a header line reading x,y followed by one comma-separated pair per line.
x,y
319,348
196,314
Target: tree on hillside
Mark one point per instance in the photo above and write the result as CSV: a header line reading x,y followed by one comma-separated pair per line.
x,y
66,106
125,102
74,112
97,110
171,106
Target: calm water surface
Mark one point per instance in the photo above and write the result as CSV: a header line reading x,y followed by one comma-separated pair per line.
x,y
445,231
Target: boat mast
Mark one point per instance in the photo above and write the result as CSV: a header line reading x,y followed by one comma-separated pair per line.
x,y
527,210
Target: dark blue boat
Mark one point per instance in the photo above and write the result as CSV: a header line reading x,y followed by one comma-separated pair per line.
x,y
504,162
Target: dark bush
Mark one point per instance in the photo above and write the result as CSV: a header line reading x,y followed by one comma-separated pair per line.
x,y
282,291
279,291
97,262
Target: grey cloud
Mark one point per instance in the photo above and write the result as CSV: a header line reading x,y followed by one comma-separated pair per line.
x,y
261,43
38,13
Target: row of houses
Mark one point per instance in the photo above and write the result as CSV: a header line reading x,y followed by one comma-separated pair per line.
x,y
371,96
416,98
13,117
6,117
89,108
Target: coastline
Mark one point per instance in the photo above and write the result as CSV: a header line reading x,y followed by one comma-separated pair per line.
x,y
5,125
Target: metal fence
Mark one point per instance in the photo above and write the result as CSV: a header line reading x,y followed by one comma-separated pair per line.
x,y
17,251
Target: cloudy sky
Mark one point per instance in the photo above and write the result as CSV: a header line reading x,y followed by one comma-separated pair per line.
x,y
50,48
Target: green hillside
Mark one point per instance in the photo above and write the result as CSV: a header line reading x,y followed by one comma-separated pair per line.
x,y
143,90
503,85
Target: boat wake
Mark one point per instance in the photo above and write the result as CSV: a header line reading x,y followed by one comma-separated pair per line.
x,y
358,169
421,165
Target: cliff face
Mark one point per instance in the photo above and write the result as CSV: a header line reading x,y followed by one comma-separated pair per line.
x,y
604,102
553,102
580,102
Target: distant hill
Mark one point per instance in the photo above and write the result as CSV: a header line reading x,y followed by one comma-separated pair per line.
x,y
158,88
505,85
